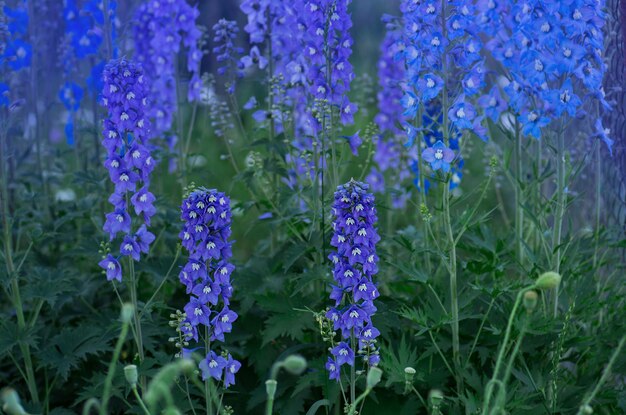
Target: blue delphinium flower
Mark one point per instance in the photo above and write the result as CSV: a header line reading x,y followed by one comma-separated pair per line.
x,y
439,156
354,264
206,276
160,27
126,132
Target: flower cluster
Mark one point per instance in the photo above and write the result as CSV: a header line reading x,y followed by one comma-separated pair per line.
x,y
445,78
160,26
226,52
444,63
128,161
390,155
16,50
327,49
355,263
552,52
84,37
84,26
206,276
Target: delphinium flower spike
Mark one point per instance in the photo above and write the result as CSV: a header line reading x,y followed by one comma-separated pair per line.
x,y
128,161
160,28
354,265
206,276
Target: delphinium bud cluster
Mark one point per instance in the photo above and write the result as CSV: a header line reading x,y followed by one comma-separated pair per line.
x,y
160,27
354,264
206,276
126,131
552,52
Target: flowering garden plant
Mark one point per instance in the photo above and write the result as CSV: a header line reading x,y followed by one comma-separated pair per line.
x,y
312,206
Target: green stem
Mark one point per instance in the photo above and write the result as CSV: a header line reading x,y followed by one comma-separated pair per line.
x,y
207,386
15,296
108,382
454,295
140,401
560,211
136,317
353,373
519,196
507,336
598,177
603,378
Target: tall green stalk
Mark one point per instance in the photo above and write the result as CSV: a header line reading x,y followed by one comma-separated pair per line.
x,y
15,295
519,196
507,335
560,212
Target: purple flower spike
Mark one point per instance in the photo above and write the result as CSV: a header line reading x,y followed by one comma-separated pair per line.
x,y
125,138
206,275
354,265
439,156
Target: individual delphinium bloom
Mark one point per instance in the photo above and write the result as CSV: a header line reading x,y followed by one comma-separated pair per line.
x,y
160,28
354,264
439,156
125,138
206,276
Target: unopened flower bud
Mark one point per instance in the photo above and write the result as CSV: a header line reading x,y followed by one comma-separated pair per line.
x,y
127,313
435,398
373,377
587,409
131,375
530,300
295,364
548,280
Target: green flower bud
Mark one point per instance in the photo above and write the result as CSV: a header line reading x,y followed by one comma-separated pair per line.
x,y
127,313
548,280
295,364
435,398
11,401
270,388
587,409
530,301
373,377
409,373
131,375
